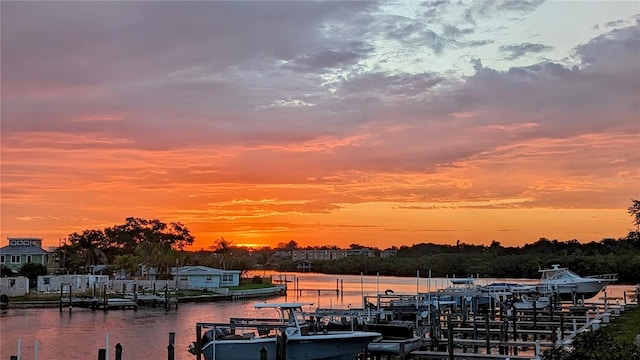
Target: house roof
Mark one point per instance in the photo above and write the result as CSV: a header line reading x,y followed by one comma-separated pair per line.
x,y
202,270
22,250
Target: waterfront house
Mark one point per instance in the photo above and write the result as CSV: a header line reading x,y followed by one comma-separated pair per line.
x,y
304,266
203,277
21,251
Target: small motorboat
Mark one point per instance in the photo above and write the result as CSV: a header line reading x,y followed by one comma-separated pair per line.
x,y
289,336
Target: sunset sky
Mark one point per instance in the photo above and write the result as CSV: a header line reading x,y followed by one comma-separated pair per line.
x,y
327,123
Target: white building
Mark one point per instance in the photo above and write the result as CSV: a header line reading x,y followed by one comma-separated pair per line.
x,y
14,286
203,277
79,283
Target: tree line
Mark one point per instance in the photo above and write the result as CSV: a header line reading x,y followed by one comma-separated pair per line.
x,y
621,256
152,244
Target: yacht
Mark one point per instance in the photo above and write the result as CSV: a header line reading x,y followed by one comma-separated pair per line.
x,y
568,284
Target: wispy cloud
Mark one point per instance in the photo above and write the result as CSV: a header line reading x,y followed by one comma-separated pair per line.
x,y
289,121
515,51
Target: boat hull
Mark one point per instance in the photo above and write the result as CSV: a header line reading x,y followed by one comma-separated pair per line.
x,y
398,347
240,349
325,347
530,304
307,347
586,289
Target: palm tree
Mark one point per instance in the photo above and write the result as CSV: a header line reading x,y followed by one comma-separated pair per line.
x,y
128,262
157,256
91,243
222,247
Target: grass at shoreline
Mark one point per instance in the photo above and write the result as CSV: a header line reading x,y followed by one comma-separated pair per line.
x,y
626,327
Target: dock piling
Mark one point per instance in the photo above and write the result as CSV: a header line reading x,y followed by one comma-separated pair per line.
x,y
171,347
515,332
198,342
486,333
450,337
104,293
118,351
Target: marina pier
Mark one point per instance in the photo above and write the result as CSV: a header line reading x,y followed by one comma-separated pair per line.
x,y
467,332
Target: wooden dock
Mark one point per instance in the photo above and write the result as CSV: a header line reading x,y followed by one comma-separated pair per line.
x,y
128,302
98,304
463,330
318,291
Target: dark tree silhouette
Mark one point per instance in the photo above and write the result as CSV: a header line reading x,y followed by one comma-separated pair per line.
x,y
92,244
223,248
634,210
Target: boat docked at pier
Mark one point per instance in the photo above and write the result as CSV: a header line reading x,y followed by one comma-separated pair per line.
x,y
289,336
399,337
570,286
531,301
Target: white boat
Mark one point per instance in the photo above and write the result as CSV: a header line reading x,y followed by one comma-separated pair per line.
x,y
287,337
568,284
513,288
504,292
529,302
469,282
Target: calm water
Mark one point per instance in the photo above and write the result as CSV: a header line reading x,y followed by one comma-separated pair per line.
x,y
144,333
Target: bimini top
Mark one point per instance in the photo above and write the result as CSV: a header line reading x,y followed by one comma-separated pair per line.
x,y
288,305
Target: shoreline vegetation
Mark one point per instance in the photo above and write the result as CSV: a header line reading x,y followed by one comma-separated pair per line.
x,y
616,341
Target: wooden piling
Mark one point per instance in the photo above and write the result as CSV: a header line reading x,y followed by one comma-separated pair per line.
x,y
263,353
475,322
171,347
198,342
104,293
450,337
515,332
118,351
281,347
486,333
